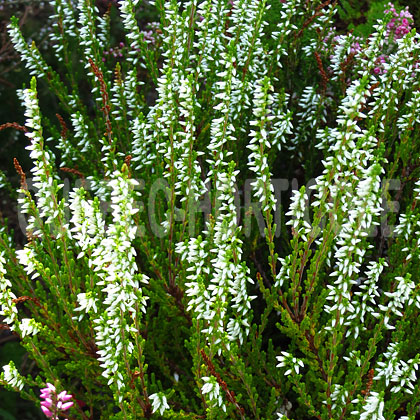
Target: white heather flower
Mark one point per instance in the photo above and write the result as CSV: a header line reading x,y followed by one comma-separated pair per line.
x,y
399,66
12,377
157,136
219,295
417,189
3,180
130,89
342,49
208,42
247,32
395,370
324,20
87,32
258,159
288,10
29,54
387,369
230,276
88,225
195,254
8,308
291,363
406,121
400,297
373,407
153,138
103,35
87,302
4,282
212,388
405,226
28,326
367,298
405,376
284,272
312,111
365,205
45,181
143,149
131,27
159,402
284,410
298,210
339,395
81,131
189,184
281,121
64,15
298,203
124,96
111,255
221,130
28,259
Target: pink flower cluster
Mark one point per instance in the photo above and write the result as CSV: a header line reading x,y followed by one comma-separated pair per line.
x,y
54,404
398,27
400,23
379,68
150,35
115,52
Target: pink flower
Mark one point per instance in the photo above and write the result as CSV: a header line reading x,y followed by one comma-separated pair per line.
x,y
54,404
46,411
67,405
63,396
400,23
50,386
47,403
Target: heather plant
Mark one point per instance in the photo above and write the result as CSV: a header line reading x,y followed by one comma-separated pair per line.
x,y
162,276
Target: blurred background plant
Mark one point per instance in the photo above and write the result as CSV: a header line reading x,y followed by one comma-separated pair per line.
x,y
33,18
361,15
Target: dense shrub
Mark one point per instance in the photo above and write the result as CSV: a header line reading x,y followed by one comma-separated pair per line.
x,y
161,275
